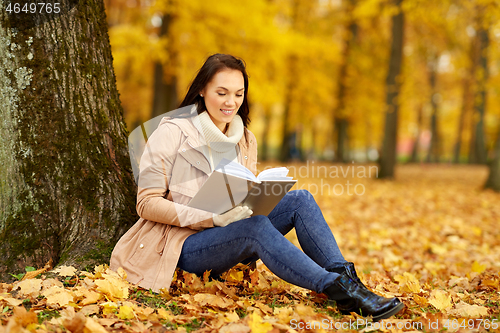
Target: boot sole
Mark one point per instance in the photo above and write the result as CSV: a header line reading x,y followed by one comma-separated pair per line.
x,y
389,313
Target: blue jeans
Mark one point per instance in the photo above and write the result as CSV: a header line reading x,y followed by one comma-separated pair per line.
x,y
220,248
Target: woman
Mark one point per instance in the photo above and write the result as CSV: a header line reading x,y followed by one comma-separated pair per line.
x,y
179,157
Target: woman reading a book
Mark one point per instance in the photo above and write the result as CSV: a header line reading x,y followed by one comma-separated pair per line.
x,y
179,157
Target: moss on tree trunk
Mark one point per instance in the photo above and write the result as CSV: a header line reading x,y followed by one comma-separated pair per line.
x,y
67,190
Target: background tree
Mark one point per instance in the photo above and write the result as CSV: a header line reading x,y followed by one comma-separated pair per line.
x,y
67,192
493,181
477,152
393,83
341,121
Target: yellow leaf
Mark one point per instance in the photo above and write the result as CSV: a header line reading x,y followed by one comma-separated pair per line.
x,y
30,287
422,301
234,276
440,300
478,268
284,314
92,326
126,312
303,310
235,328
13,301
109,307
88,310
113,287
142,313
91,297
408,283
121,272
463,309
57,295
65,270
204,299
231,317
257,325
164,314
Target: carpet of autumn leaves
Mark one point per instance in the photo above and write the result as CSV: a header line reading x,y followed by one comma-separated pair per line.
x,y
430,237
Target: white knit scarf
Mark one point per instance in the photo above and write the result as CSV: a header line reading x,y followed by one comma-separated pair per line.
x,y
218,144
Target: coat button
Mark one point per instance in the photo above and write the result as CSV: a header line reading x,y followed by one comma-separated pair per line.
x,y
141,246
246,157
183,150
197,162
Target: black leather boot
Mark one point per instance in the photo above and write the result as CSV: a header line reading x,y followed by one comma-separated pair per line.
x,y
351,295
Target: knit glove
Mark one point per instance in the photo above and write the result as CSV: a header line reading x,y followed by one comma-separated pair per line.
x,y
235,214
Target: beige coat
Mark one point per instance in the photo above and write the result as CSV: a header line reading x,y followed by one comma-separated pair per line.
x,y
150,250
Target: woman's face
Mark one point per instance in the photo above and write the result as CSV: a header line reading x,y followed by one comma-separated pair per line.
x,y
223,96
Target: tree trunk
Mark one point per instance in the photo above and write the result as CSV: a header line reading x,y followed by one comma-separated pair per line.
x,y
414,152
434,149
285,141
393,84
465,107
341,125
67,191
341,121
264,144
165,84
478,152
493,181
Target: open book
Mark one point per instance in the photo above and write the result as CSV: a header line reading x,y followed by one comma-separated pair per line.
x,y
231,184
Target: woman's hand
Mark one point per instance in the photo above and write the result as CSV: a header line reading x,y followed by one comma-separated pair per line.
x,y
233,215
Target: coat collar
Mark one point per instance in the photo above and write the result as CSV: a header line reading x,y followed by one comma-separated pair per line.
x,y
190,148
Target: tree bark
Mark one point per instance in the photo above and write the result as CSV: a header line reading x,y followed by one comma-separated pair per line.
x,y
434,147
165,84
465,107
285,141
67,191
264,144
414,152
341,121
493,181
478,152
393,84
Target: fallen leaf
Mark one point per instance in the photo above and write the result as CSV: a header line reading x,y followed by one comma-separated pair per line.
x,y
89,310
109,307
478,268
408,283
75,324
257,325
440,300
91,297
126,312
113,287
235,328
422,301
92,326
23,317
30,287
164,314
65,271
58,295
204,299
465,310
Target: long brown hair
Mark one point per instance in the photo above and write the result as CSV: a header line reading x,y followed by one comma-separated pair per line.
x,y
212,66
